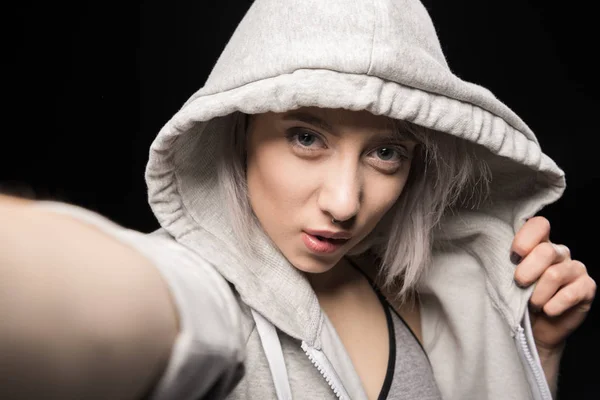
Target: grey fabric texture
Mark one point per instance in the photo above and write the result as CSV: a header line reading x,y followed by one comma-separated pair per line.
x,y
413,377
382,56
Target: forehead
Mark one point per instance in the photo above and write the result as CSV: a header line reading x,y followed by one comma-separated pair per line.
x,y
339,119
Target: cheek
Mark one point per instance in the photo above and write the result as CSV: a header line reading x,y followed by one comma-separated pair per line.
x,y
277,183
383,192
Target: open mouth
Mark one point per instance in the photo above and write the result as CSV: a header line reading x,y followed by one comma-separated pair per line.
x,y
320,244
330,240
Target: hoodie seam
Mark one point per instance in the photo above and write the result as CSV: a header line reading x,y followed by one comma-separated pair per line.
x,y
372,40
317,343
250,334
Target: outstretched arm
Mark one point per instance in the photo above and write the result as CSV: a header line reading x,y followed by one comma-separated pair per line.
x,y
81,314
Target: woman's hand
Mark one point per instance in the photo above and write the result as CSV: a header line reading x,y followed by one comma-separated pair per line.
x,y
564,291
563,294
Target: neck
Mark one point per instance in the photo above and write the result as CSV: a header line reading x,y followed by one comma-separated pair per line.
x,y
335,279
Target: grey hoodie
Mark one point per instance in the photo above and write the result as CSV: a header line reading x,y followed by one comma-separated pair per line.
x,y
251,327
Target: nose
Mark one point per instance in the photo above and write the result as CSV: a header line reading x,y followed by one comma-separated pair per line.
x,y
341,192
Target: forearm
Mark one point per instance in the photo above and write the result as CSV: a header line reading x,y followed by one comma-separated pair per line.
x,y
83,316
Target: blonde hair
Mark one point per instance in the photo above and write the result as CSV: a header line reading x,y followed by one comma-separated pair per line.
x,y
445,173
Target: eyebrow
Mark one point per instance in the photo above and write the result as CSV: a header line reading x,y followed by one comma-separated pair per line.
x,y
310,119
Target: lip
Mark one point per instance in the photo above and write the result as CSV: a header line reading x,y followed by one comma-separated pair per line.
x,y
330,235
317,246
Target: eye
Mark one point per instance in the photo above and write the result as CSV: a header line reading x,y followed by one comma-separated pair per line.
x,y
390,154
387,153
388,158
305,139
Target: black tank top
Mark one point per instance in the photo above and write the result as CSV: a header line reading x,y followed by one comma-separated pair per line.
x,y
409,374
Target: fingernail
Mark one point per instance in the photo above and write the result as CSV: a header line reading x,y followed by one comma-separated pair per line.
x,y
515,258
535,309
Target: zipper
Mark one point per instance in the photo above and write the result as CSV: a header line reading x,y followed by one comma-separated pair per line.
x,y
534,366
318,359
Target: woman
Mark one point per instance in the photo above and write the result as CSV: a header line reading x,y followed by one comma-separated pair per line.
x,y
331,200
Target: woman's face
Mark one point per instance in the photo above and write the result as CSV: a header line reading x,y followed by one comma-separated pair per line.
x,y
309,166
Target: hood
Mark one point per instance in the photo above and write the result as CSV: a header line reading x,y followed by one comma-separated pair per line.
x,y
381,56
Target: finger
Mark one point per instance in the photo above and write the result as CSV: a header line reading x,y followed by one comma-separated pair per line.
x,y
537,261
579,293
552,279
565,252
535,231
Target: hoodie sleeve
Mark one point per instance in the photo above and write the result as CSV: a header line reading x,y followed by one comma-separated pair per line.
x,y
206,360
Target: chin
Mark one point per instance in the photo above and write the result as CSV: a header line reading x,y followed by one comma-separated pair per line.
x,y
313,265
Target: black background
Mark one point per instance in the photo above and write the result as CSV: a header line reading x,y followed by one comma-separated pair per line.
x,y
88,86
